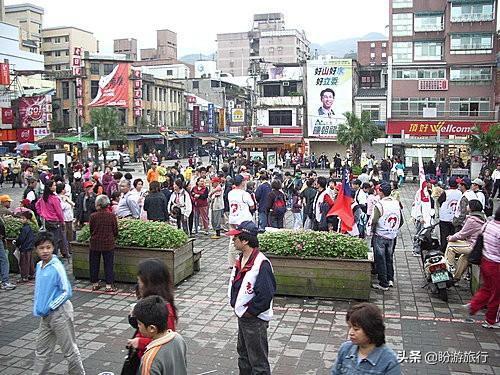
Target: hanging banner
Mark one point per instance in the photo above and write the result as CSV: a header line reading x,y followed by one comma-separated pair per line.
x,y
113,88
8,135
4,74
211,118
196,119
7,116
35,111
222,120
25,135
329,92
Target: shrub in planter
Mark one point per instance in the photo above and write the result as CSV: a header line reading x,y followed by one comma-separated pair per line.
x,y
139,233
13,226
313,244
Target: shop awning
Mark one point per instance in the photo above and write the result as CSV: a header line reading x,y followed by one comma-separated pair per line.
x,y
268,142
138,137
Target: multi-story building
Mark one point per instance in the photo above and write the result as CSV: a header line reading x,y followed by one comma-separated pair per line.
x,y
29,19
126,46
242,54
442,70
58,44
166,47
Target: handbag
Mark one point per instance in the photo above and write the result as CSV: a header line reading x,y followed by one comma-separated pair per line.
x,y
132,363
477,250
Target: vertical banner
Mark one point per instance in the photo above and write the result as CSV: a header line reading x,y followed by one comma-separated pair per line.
x,y
137,77
4,74
222,120
76,66
196,119
211,118
329,95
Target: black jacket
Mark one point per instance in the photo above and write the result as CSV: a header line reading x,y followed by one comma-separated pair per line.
x,y
155,204
83,216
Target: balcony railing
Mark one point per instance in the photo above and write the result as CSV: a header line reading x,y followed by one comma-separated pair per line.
x,y
472,17
280,101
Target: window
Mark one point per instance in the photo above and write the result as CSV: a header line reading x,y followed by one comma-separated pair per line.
x,y
148,93
474,107
384,45
402,51
94,89
280,118
65,89
108,68
215,83
58,67
290,89
471,41
370,79
418,74
402,24
402,3
57,40
472,12
47,53
47,40
372,45
94,68
415,106
66,39
170,72
66,52
272,90
271,49
428,51
57,53
471,74
196,85
65,118
428,22
373,110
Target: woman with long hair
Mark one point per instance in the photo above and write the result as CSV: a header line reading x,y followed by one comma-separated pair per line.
x,y
50,210
153,278
180,206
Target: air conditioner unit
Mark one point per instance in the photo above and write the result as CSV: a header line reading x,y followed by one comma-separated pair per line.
x,y
286,83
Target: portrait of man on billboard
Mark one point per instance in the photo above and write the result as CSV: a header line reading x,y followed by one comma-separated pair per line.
x,y
327,98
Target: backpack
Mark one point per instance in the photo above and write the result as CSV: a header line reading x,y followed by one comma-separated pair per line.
x,y
279,205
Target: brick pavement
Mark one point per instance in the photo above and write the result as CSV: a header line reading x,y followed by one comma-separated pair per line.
x,y
304,335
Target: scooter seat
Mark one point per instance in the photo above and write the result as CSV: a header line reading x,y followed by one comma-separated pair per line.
x,y
431,254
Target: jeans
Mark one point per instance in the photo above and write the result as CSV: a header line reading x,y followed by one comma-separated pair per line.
x,y
95,264
263,220
297,220
217,220
57,327
416,242
384,263
496,187
252,346
386,176
276,221
4,264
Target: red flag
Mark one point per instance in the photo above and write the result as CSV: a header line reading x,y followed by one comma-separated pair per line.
x,y
342,205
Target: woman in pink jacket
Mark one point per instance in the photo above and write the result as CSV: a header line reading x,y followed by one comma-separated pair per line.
x,y
50,210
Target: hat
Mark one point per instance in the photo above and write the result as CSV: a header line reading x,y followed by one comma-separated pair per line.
x,y
248,227
453,182
25,202
238,179
87,184
215,180
466,182
77,175
5,198
478,182
385,187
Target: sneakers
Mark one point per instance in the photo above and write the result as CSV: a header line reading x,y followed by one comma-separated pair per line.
x,y
7,286
491,326
391,284
415,253
379,287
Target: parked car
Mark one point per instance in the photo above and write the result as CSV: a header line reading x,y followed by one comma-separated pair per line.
x,y
116,157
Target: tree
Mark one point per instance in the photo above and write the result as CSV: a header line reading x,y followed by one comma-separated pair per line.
x,y
107,121
487,143
356,131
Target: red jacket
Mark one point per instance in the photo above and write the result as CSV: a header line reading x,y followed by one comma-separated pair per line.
x,y
144,341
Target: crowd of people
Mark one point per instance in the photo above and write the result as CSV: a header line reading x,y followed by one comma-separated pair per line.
x,y
241,198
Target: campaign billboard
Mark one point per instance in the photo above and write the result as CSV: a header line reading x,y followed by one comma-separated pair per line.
x,y
113,88
329,95
35,111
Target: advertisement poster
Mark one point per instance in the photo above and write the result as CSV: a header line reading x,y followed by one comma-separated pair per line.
x,y
257,155
35,111
271,159
238,116
113,88
211,118
25,135
329,95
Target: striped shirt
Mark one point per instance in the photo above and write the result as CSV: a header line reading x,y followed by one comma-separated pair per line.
x,y
491,236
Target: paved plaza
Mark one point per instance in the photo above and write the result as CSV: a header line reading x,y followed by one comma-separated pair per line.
x,y
304,335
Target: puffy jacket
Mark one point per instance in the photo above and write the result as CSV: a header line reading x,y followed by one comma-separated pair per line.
x,y
471,229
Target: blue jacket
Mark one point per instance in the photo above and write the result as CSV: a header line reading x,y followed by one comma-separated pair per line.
x,y
382,360
52,287
262,196
26,240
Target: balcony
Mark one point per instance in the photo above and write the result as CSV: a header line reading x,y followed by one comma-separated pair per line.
x,y
472,17
280,101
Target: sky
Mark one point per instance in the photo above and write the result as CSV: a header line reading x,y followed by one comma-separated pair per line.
x,y
198,22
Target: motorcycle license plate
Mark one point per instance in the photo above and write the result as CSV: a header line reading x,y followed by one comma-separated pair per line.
x,y
439,277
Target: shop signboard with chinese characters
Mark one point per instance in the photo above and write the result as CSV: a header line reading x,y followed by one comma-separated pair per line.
x,y
76,67
113,88
211,118
238,116
8,135
35,111
196,119
4,74
432,128
137,77
7,118
329,92
39,133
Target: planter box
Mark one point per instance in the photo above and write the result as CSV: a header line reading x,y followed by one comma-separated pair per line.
x,y
322,277
181,262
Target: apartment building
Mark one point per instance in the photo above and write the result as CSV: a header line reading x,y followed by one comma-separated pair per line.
x,y
246,53
442,70
29,19
166,47
58,44
126,46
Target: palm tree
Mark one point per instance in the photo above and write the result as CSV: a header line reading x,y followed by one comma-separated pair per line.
x,y
487,143
356,131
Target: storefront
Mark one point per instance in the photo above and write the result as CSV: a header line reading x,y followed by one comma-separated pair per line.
x,y
267,149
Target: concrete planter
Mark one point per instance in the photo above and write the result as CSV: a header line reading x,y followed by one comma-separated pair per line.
x,y
181,262
322,277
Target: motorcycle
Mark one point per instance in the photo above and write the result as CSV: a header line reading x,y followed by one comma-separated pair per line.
x,y
435,268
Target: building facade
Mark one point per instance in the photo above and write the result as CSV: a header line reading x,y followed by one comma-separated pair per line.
x,y
126,46
442,71
29,19
267,42
58,44
166,47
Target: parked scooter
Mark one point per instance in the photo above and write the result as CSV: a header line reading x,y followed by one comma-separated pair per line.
x,y
435,268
